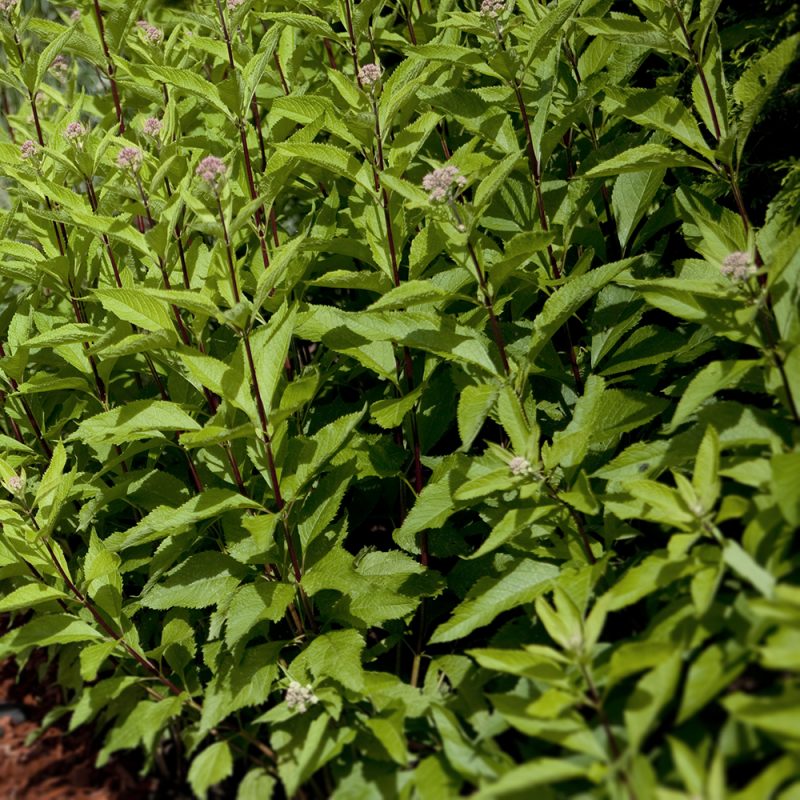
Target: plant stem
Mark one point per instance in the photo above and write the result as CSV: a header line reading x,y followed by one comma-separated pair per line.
x,y
767,323
37,431
613,745
110,69
536,176
264,422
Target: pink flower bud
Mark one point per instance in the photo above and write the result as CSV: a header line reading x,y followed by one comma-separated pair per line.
x,y
443,183
29,149
152,127
75,132
369,74
211,169
130,159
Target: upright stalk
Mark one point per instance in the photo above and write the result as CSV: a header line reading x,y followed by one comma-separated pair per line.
x,y
248,167
767,322
110,69
263,419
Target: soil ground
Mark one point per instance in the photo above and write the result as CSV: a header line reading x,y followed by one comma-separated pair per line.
x,y
57,765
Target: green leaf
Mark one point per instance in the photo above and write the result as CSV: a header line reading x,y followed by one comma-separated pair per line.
x,y
188,81
785,480
650,696
47,55
540,772
712,378
474,405
758,82
334,656
165,521
29,596
631,199
252,603
567,299
202,580
136,306
140,419
490,597
209,768
328,157
42,631
647,156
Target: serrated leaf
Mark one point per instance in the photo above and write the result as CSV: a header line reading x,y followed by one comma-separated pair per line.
x,y
490,597
140,419
210,767
202,580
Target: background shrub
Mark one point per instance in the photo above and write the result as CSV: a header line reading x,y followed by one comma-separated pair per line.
x,y
400,399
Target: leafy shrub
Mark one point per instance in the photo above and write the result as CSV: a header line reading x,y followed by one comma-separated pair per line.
x,y
398,398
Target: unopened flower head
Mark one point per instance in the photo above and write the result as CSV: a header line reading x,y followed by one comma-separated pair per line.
x,y
15,484
7,6
369,74
75,132
75,15
60,67
152,127
29,149
212,170
234,4
130,159
299,697
492,8
152,35
519,466
443,183
738,266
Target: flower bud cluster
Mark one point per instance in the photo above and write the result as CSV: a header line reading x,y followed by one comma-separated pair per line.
x,y
234,4
152,127
29,149
211,170
60,68
492,8
299,697
369,74
130,159
443,183
520,466
738,266
74,132
152,35
15,484
7,6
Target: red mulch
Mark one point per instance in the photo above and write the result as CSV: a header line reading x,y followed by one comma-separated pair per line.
x,y
57,766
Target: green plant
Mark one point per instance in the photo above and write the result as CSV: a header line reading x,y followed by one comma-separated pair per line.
x,y
399,399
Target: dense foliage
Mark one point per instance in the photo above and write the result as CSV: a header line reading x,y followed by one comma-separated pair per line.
x,y
400,398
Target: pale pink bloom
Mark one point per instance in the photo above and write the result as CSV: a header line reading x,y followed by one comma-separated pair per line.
x,y
492,8
60,67
6,6
75,15
519,466
152,127
369,74
129,158
299,697
211,169
75,131
29,149
15,484
738,266
151,34
442,183
234,4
